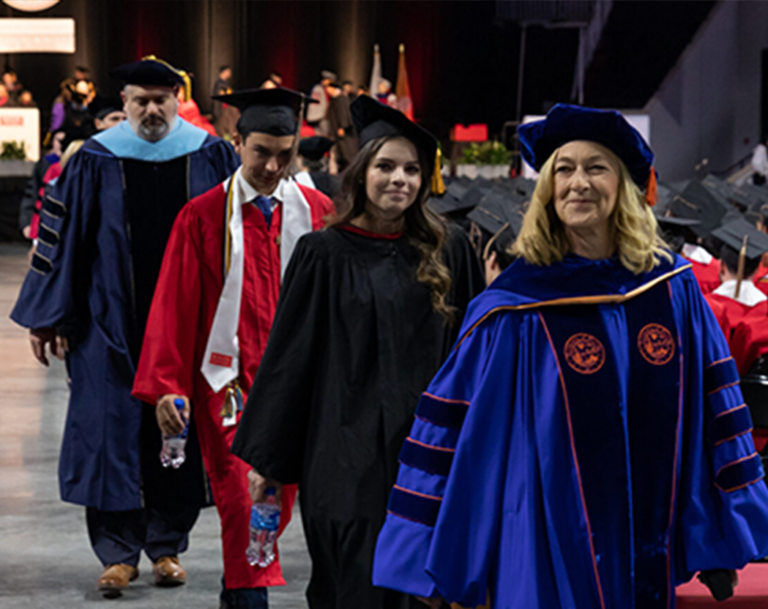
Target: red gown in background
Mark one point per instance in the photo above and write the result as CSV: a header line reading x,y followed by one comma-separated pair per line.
x,y
749,339
183,308
708,275
761,279
190,112
721,313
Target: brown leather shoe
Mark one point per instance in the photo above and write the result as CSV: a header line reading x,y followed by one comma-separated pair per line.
x,y
169,572
116,578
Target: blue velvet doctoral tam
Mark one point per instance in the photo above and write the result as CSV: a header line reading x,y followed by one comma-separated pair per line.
x,y
90,278
586,445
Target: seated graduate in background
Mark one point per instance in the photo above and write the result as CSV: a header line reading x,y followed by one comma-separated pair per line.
x,y
212,313
585,444
740,256
368,312
313,165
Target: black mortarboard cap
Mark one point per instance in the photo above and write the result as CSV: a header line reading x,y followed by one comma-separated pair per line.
x,y
667,221
677,231
732,234
665,195
483,183
271,111
374,120
497,210
458,197
102,106
314,148
150,71
696,202
758,195
723,192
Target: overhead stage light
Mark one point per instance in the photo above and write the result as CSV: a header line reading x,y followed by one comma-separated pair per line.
x,y
31,6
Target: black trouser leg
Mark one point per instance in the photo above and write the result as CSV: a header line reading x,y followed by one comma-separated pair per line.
x,y
342,567
168,531
116,537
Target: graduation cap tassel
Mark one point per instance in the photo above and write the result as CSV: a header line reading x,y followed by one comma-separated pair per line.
x,y
651,189
438,186
187,85
740,273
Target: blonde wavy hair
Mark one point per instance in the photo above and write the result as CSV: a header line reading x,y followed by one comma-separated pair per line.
x,y
542,239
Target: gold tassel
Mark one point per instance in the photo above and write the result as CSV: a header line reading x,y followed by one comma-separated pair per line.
x,y
438,187
740,272
187,85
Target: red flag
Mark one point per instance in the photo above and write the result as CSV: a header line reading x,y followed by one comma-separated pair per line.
x,y
402,90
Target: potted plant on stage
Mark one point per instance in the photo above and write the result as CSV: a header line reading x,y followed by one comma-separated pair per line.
x,y
13,159
485,160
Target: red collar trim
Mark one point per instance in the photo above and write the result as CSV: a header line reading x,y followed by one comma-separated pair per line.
x,y
369,234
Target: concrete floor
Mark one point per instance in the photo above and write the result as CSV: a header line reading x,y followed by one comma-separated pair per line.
x,y
45,559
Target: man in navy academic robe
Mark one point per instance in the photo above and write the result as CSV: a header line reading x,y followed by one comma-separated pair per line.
x,y
88,293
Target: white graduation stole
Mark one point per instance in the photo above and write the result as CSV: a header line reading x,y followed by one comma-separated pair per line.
x,y
221,362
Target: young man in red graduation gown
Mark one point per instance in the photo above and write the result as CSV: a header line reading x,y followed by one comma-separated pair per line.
x,y
729,307
213,308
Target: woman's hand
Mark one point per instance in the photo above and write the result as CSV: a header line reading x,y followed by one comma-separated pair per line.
x,y
169,419
258,485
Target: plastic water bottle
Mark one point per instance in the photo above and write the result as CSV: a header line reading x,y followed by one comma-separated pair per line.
x,y
265,520
172,454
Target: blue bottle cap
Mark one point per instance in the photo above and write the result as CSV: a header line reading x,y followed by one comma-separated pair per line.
x,y
179,403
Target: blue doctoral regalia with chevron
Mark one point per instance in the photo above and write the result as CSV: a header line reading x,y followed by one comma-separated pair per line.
x,y
82,282
586,445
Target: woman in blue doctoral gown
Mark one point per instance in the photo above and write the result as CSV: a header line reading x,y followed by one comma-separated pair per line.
x,y
586,444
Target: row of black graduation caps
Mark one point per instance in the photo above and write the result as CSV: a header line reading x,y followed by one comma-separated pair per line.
x,y
690,213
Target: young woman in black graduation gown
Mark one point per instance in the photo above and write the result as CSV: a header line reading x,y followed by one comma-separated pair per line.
x,y
369,309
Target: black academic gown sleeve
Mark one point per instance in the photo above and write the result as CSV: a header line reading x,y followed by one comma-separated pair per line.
x,y
294,341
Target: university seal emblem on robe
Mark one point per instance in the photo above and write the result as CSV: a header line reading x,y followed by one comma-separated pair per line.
x,y
584,353
656,344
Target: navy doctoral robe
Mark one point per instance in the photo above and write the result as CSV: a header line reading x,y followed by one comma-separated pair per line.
x,y
101,243
586,444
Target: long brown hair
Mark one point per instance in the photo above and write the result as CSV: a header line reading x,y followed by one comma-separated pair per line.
x,y
425,229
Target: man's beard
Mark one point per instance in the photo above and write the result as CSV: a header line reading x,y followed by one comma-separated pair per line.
x,y
153,128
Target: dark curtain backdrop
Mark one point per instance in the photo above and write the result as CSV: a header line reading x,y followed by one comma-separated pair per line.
x,y
462,62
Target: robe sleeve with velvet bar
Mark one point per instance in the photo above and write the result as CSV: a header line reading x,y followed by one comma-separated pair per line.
x,y
585,445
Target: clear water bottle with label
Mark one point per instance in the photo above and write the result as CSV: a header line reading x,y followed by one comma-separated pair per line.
x,y
172,453
265,520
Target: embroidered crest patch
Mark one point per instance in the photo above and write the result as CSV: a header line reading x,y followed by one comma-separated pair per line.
x,y
584,353
656,344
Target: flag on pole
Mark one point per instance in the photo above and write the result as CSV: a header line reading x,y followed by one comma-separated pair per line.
x,y
376,72
402,90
